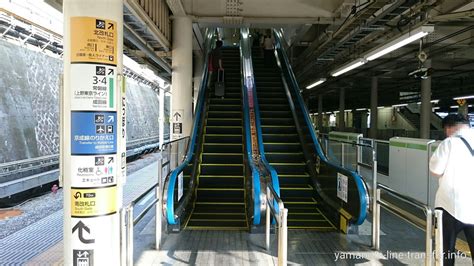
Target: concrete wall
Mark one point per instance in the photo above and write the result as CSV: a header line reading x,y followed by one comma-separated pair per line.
x,y
29,104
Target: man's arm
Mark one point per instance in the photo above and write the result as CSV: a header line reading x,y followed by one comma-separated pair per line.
x,y
439,160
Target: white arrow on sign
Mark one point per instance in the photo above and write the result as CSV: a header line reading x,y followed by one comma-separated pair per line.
x,y
111,119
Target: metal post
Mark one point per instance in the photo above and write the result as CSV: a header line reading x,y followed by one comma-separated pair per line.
x,y
429,233
439,238
267,223
342,155
377,219
130,235
158,192
123,237
283,255
374,193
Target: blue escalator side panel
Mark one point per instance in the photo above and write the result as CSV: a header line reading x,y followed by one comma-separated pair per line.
x,y
358,179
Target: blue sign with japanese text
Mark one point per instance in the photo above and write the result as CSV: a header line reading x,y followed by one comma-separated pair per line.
x,y
93,133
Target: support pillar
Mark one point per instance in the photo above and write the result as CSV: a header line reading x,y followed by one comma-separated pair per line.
x,y
198,67
342,98
182,75
373,108
425,109
320,112
92,132
161,115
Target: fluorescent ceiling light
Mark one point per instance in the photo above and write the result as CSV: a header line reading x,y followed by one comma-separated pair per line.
x,y
436,108
463,97
361,109
348,110
348,67
400,105
380,107
454,106
319,82
401,41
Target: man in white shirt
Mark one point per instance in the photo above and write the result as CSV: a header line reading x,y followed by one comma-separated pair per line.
x,y
453,163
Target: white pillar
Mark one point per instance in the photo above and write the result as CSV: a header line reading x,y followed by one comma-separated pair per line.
x,y
92,140
198,65
425,110
181,79
161,114
373,108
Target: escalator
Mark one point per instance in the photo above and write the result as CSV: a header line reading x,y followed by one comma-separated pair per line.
x,y
220,197
283,149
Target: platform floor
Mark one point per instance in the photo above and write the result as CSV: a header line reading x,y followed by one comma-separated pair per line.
x,y
401,242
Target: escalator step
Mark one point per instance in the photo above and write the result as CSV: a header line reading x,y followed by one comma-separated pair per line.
x,y
294,179
221,181
271,107
233,158
303,190
223,216
277,121
275,114
278,129
222,169
224,114
220,195
213,207
280,138
273,100
222,148
282,157
282,147
217,224
223,130
226,101
224,122
289,168
223,138
223,107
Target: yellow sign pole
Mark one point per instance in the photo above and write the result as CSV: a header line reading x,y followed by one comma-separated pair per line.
x,y
92,134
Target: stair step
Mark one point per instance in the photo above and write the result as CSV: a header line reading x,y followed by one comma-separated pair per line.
x,y
289,157
281,138
223,148
221,181
292,179
225,107
222,169
217,225
273,100
289,168
234,158
226,101
218,216
270,107
224,122
282,147
275,114
223,138
277,121
223,130
299,190
278,129
224,198
224,114
213,207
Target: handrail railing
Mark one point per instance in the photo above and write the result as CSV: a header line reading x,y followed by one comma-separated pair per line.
x,y
170,211
357,178
245,54
281,218
408,200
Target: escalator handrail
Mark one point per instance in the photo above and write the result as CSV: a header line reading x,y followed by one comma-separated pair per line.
x,y
170,216
270,169
357,178
244,44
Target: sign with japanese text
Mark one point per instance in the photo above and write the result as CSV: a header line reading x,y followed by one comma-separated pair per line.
x,y
93,133
94,40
